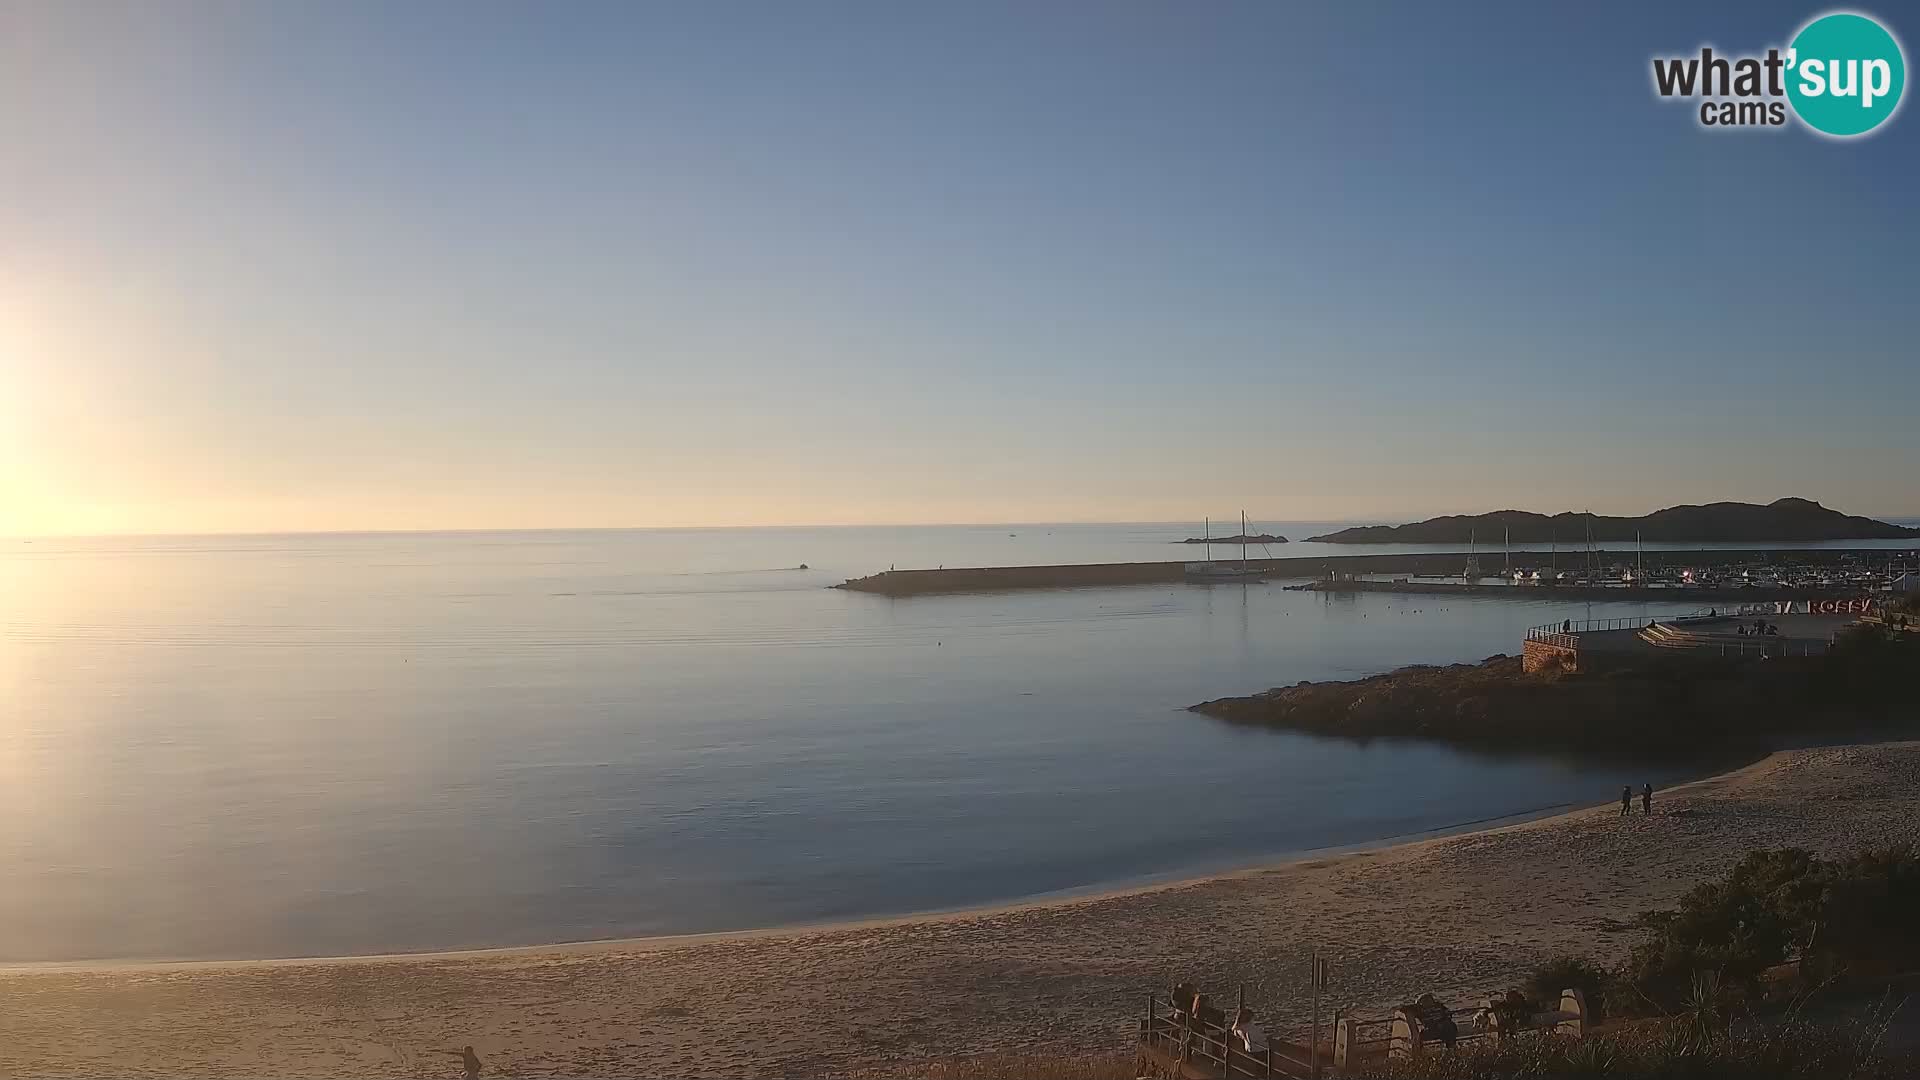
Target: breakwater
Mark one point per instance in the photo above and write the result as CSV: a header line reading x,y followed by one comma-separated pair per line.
x,y
1086,575
1083,575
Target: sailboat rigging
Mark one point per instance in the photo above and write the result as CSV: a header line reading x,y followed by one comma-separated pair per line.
x,y
1213,571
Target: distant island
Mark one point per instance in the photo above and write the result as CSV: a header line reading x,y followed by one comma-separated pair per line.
x,y
1263,538
1722,522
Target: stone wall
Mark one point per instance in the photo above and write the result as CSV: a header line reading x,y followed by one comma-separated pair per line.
x,y
1542,655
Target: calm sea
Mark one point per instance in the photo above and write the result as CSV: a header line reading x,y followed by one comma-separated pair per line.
x,y
300,745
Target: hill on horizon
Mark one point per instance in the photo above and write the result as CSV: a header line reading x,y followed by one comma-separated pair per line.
x,y
1721,522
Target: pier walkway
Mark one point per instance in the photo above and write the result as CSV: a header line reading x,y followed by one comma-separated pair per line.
x,y
1580,645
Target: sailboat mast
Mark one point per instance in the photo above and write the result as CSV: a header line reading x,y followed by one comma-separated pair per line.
x,y
1206,533
1243,541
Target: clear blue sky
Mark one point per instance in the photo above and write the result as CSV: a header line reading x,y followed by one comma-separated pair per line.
x,y
373,265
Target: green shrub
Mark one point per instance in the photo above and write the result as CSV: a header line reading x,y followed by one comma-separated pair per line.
x,y
1870,921
1855,916
1544,985
1738,927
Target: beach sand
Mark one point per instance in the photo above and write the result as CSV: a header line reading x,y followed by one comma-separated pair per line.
x,y
1459,915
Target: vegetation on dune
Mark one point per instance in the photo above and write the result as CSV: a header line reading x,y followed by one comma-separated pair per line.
x,y
1843,918
1544,986
1701,997
1665,1050
1709,979
1673,1050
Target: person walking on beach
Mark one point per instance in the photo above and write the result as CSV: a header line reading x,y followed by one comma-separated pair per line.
x,y
1646,799
469,1062
1626,800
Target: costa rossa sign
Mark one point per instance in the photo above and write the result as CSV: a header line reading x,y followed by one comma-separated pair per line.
x,y
1860,605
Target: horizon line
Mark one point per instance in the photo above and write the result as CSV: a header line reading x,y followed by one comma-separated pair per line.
x,y
241,533
1892,519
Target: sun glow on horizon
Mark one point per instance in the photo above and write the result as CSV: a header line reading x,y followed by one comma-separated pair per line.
x,y
269,270
23,508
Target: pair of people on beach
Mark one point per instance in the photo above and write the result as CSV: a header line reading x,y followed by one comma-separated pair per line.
x,y
1626,799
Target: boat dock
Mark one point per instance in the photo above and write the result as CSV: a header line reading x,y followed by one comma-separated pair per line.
x,y
1659,593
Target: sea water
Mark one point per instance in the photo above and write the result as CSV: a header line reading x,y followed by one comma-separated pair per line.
x,y
319,745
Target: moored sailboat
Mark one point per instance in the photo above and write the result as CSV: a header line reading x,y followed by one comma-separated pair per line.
x,y
1213,571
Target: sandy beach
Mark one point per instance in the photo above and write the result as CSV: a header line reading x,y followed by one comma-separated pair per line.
x,y
1458,915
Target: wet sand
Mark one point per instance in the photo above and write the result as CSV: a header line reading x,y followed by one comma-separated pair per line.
x,y
1459,915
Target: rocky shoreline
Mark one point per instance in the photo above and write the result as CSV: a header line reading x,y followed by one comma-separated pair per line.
x,y
1655,705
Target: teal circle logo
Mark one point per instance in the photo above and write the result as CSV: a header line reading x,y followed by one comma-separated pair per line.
x,y
1845,74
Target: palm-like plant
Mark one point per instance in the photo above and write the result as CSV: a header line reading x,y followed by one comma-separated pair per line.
x,y
1702,1013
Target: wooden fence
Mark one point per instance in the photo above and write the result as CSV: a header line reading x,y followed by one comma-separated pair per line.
x,y
1175,1043
1403,1035
1180,1044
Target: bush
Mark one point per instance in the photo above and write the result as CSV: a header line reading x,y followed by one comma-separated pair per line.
x,y
1769,905
1870,920
1854,916
1668,1050
1544,985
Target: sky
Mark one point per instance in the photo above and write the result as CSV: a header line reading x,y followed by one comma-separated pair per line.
x,y
276,266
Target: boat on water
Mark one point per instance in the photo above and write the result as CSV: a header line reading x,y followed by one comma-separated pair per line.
x,y
1210,571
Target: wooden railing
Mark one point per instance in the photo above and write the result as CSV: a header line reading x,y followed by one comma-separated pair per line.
x,y
1360,1040
1197,1047
1176,1043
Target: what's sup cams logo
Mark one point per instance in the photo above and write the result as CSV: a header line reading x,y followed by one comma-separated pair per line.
x,y
1842,75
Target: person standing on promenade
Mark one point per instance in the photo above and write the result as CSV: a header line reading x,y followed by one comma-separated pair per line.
x,y
1252,1037
1626,800
1646,799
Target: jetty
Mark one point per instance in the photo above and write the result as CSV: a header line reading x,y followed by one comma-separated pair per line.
x,y
1082,575
1353,573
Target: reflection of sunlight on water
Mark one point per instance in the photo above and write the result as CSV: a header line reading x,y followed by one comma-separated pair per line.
x,y
280,745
